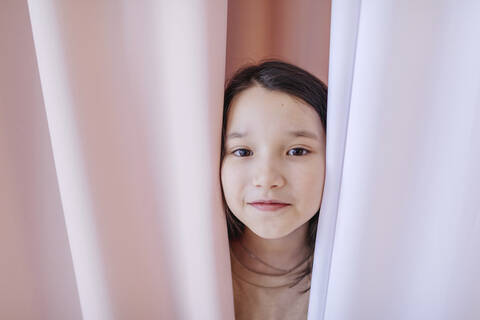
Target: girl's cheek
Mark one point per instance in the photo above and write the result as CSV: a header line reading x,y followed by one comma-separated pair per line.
x,y
229,176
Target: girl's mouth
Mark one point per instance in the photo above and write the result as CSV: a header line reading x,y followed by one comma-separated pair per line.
x,y
266,206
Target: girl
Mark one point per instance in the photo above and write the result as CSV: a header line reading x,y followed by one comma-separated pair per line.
x,y
272,176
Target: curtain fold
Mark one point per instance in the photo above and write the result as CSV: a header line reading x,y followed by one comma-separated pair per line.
x,y
343,42
130,116
36,270
405,80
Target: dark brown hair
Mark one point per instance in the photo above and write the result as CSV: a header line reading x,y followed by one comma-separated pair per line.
x,y
280,76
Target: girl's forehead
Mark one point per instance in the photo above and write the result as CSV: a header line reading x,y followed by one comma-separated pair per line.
x,y
259,108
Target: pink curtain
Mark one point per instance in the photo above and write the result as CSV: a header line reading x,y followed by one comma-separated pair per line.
x,y
109,149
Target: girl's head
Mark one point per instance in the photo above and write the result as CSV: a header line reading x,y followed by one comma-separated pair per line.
x,y
273,148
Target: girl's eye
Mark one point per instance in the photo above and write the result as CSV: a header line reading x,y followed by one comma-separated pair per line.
x,y
240,152
297,153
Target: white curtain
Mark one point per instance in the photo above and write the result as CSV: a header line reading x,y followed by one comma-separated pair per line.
x,y
399,235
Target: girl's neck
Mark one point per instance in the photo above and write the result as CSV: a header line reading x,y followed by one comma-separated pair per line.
x,y
283,253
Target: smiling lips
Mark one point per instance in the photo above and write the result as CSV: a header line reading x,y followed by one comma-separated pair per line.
x,y
268,205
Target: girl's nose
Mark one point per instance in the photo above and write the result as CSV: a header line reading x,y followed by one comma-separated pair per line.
x,y
268,178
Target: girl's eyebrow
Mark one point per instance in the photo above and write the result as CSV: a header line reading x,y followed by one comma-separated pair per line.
x,y
303,133
295,133
234,135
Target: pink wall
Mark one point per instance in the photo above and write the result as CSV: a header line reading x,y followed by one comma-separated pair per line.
x,y
296,31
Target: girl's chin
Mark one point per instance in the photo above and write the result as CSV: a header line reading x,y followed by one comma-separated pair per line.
x,y
271,234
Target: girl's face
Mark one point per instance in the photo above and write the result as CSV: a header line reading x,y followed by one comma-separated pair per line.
x,y
274,150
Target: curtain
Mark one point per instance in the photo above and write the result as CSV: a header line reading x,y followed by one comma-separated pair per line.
x,y
110,119
111,206
399,229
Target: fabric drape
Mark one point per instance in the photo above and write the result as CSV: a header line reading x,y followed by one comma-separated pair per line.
x,y
399,234
127,221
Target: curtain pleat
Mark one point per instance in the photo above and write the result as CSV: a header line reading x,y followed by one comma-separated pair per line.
x,y
404,105
36,270
343,42
130,118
